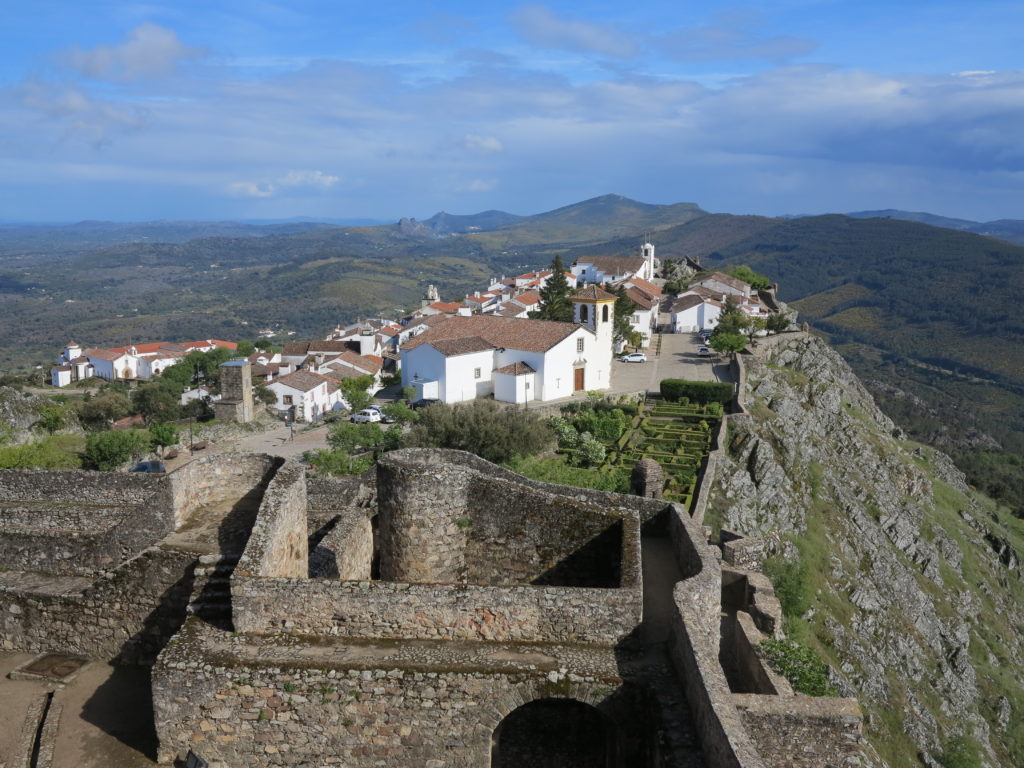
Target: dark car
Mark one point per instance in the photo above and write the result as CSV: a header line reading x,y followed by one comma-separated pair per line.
x,y
149,466
423,402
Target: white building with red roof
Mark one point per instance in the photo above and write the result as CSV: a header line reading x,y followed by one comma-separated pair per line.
x,y
514,359
133,361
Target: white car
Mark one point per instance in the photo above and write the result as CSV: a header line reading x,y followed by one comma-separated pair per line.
x,y
703,352
367,416
634,357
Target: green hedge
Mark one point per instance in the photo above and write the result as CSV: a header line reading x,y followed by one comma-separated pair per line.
x,y
698,391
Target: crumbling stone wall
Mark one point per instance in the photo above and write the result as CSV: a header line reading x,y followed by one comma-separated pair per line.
x,y
211,479
79,523
448,516
328,497
129,614
277,545
343,548
427,611
274,710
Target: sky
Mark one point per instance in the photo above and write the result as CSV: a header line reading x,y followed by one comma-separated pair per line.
x,y
265,109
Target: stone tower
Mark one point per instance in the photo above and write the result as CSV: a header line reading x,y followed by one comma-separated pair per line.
x,y
236,402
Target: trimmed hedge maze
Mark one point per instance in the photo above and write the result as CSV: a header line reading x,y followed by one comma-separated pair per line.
x,y
677,436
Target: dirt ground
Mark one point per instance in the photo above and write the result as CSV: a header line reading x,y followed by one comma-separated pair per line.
x,y
106,715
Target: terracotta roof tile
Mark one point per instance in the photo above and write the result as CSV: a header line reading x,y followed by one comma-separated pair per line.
x,y
510,332
593,293
515,369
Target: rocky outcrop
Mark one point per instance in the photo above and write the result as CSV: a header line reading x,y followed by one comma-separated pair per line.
x,y
910,580
18,412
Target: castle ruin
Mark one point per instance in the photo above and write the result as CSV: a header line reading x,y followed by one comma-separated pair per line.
x,y
440,612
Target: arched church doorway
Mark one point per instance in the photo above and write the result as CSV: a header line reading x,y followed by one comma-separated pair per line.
x,y
555,733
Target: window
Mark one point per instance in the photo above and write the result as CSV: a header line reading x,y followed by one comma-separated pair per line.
x,y
476,373
604,313
579,345
584,313
287,399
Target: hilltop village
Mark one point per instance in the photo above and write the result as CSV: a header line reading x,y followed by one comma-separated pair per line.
x,y
497,342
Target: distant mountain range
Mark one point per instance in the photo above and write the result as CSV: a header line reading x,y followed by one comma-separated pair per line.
x,y
1005,229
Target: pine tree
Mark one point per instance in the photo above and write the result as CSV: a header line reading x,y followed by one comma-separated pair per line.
x,y
554,296
622,328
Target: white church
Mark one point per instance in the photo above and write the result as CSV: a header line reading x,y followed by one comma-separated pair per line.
x,y
517,360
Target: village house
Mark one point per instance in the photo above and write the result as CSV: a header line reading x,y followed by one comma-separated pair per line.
x,y
134,361
612,269
305,396
514,359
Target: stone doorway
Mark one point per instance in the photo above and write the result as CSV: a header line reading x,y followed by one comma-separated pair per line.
x,y
555,733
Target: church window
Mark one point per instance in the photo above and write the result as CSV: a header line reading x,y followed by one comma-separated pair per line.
x,y
579,345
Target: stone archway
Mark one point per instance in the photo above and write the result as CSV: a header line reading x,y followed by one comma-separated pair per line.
x,y
555,733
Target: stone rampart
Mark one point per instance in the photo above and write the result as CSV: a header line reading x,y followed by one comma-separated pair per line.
x,y
300,703
449,516
803,731
425,611
277,545
129,613
694,648
79,523
218,478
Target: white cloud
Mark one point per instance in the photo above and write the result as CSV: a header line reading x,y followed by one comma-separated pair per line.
x,y
290,180
482,144
541,26
307,179
148,51
251,189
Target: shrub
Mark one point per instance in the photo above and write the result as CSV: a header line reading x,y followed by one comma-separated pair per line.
x,y
54,452
353,438
590,452
960,752
702,392
798,664
109,450
790,579
491,431
337,462
555,470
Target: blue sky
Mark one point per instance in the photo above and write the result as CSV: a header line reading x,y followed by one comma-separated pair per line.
x,y
343,109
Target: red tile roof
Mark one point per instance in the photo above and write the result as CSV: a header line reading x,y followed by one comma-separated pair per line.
x,y
509,332
647,287
515,369
614,265
593,293
303,381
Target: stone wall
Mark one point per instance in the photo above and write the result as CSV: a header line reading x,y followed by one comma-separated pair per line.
x,y
694,647
218,478
79,523
128,614
448,516
328,497
426,611
803,732
345,549
279,708
277,545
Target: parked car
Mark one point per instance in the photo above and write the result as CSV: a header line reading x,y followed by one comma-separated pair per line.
x,y
366,416
384,418
423,402
703,352
634,357
151,467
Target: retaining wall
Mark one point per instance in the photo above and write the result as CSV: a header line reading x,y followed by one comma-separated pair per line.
x,y
220,477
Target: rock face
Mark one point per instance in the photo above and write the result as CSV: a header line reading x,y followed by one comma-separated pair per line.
x,y
910,586
18,412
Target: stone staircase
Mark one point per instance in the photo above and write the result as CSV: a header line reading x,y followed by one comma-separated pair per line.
x,y
211,593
